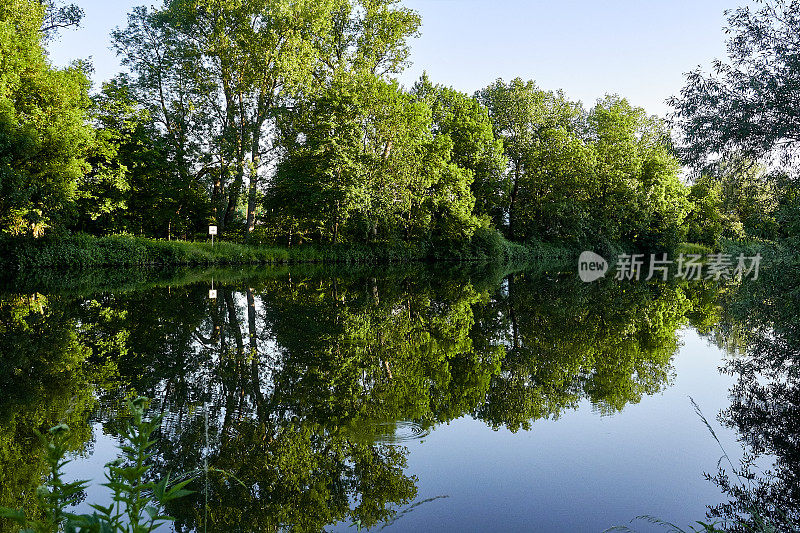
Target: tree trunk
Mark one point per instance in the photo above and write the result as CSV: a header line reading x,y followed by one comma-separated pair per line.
x,y
512,207
233,196
251,206
216,196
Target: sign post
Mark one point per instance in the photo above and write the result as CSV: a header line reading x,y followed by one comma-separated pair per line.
x,y
212,230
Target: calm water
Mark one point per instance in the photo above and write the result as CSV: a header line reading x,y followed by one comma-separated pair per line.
x,y
414,399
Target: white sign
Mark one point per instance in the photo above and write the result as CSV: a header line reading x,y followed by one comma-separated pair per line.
x,y
212,293
212,230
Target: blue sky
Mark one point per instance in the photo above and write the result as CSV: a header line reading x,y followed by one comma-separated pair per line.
x,y
638,49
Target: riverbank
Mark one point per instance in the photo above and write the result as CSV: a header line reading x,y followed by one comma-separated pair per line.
x,y
79,251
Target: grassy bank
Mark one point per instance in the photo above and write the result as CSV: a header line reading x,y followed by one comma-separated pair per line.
x,y
84,251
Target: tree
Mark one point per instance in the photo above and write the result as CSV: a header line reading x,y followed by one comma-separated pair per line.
x,y
559,189
748,106
102,193
749,197
133,184
475,148
706,223
43,133
362,159
520,113
639,197
216,74
164,82
578,178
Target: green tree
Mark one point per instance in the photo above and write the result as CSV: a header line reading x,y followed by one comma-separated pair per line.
x,y
520,113
749,195
43,134
706,222
134,184
745,111
602,177
466,122
215,75
362,159
640,198
559,189
748,106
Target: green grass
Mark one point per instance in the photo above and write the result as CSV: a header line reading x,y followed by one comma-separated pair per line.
x,y
693,248
78,251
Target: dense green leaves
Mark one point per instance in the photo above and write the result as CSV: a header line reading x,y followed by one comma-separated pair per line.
x,y
602,177
362,162
467,124
43,133
282,118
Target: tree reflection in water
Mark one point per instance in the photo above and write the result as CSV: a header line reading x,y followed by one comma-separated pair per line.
x,y
297,387
763,321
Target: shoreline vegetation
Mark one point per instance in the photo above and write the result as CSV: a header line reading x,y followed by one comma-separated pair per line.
x,y
324,157
80,251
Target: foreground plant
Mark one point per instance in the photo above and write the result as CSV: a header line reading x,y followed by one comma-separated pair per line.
x,y
136,503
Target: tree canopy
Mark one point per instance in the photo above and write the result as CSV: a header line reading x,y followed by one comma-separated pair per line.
x,y
43,128
283,123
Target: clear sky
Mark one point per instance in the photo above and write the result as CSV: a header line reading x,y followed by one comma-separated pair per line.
x,y
636,48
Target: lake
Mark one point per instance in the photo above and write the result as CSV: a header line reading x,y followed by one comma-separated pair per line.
x,y
416,398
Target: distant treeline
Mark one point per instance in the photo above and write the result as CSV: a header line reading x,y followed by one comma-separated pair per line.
x,y
281,122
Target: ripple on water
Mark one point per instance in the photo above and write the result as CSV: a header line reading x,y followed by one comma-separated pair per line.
x,y
390,432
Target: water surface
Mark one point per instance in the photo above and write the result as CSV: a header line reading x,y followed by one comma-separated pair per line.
x,y
457,398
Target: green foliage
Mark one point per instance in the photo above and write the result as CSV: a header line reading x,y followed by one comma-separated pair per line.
x,y
787,212
739,200
58,16
134,184
81,251
640,196
219,94
577,178
466,123
216,76
56,495
43,135
136,502
278,121
744,113
520,114
363,163
746,107
706,223
133,508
